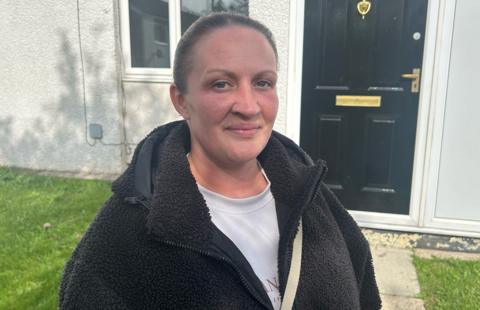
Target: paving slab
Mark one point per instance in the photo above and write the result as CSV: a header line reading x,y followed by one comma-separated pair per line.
x,y
399,303
395,273
396,278
392,258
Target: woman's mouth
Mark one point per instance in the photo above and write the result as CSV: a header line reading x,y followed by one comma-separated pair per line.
x,y
244,130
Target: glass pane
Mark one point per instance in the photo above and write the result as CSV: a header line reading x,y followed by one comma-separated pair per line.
x,y
149,33
193,9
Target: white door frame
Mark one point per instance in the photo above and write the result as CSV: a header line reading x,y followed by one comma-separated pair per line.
x,y
438,37
439,96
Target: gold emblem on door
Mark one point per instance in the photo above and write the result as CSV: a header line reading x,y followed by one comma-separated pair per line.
x,y
364,7
358,101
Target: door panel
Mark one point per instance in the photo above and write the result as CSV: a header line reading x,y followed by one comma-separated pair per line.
x,y
378,151
369,150
330,130
333,33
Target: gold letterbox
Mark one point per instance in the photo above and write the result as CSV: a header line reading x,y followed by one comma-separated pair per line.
x,y
359,101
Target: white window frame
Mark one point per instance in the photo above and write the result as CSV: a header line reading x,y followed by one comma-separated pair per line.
x,y
149,74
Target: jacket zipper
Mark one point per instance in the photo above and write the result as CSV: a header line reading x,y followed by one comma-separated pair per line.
x,y
223,259
136,200
145,203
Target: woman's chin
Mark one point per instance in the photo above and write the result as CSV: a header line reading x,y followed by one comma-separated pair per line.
x,y
244,155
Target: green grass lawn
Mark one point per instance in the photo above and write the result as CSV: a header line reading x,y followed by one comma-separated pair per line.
x,y
449,283
32,257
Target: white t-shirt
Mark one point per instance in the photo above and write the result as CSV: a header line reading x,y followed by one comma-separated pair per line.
x,y
251,223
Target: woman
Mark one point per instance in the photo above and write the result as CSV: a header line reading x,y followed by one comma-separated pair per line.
x,y
207,214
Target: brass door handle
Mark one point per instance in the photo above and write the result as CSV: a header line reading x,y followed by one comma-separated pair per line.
x,y
415,77
410,76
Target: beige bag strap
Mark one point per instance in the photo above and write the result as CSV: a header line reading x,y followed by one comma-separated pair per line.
x,y
294,274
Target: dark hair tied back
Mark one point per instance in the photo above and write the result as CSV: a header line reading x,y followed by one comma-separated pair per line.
x,y
203,26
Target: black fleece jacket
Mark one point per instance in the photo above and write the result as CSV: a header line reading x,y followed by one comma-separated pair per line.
x,y
154,246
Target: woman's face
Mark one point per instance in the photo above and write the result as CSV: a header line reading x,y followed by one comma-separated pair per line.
x,y
231,100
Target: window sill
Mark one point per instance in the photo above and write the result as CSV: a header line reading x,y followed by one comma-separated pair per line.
x,y
146,78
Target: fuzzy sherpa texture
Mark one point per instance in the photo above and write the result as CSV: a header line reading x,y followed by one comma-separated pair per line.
x,y
158,257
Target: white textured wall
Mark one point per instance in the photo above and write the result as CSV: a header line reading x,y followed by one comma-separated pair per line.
x,y
41,96
148,106
42,119
459,180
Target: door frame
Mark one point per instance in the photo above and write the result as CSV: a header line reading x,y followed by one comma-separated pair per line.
x,y
440,88
438,39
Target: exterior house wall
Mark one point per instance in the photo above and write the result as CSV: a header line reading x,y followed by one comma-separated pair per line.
x,y
148,105
42,120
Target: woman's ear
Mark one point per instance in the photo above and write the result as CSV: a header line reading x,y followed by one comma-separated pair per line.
x,y
178,101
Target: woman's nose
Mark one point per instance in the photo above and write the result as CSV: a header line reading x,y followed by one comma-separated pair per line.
x,y
246,101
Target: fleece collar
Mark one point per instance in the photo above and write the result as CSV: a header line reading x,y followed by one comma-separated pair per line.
x,y
178,212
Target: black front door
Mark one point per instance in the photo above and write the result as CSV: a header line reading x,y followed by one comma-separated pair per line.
x,y
360,97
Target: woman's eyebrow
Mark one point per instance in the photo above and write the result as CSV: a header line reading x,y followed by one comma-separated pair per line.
x,y
228,73
266,72
231,74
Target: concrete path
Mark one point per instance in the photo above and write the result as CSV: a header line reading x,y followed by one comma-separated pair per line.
x,y
396,278
392,258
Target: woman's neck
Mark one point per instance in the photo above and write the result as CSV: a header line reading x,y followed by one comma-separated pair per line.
x,y
235,181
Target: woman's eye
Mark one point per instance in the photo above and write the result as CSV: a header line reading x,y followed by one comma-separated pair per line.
x,y
264,84
220,85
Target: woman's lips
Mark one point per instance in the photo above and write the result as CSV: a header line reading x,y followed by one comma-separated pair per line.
x,y
244,130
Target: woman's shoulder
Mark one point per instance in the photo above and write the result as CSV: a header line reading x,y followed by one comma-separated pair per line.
x,y
118,226
105,259
347,225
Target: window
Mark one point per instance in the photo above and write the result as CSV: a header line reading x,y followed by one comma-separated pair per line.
x,y
149,33
191,10
152,28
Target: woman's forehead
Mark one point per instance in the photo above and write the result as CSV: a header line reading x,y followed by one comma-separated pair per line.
x,y
234,44
233,30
